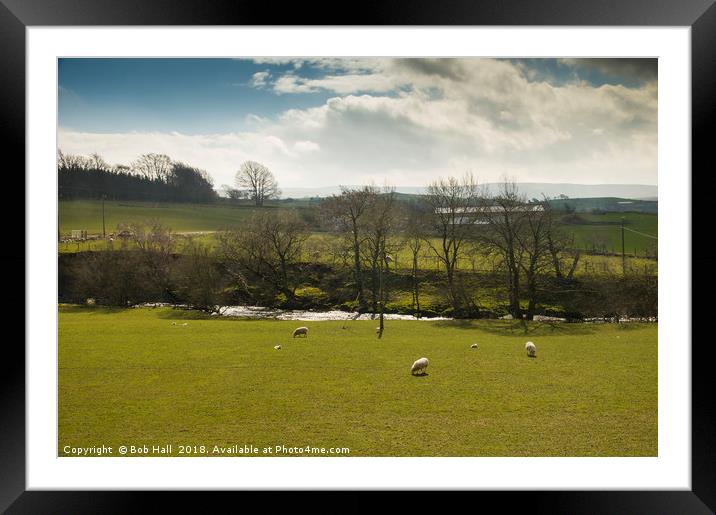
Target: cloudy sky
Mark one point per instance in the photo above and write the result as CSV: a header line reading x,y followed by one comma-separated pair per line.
x,y
329,121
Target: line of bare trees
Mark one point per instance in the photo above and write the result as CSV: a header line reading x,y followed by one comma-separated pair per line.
x,y
149,177
455,219
268,248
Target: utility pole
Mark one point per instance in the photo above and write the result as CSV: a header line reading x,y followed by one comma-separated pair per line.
x,y
104,234
623,256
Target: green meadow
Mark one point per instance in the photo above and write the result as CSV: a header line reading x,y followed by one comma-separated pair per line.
x,y
162,376
180,217
605,229
593,229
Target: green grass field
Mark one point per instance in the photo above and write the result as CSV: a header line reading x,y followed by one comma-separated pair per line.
x,y
605,230
130,377
87,214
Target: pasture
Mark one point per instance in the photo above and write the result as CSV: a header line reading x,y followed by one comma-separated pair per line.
x,y
158,376
600,230
180,217
604,230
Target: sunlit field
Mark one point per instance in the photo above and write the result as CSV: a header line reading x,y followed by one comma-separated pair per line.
x,y
162,376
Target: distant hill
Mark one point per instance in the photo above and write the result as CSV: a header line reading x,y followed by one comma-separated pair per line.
x,y
530,189
606,204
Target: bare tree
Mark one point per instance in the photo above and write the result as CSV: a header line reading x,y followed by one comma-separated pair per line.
x,y
153,166
233,193
347,212
72,161
197,276
121,169
156,245
454,204
257,181
267,246
97,162
534,241
505,218
379,226
414,233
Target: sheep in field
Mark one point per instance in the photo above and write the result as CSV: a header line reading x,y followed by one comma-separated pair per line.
x,y
277,347
300,331
531,349
419,366
473,346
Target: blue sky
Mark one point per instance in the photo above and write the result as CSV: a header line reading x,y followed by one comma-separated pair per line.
x,y
192,96
326,120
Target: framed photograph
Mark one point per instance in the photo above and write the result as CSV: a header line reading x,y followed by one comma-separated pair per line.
x,y
419,252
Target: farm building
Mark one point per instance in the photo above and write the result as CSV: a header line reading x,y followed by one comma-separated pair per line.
x,y
480,215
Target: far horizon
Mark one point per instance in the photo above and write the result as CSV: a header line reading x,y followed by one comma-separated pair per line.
x,y
529,189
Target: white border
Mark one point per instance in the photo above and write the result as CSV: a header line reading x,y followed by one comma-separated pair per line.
x,y
670,470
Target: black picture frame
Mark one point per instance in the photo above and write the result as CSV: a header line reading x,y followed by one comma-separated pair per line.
x,y
16,15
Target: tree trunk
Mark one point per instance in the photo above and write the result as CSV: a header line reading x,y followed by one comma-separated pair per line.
x,y
575,262
555,259
357,272
515,292
416,287
451,288
381,326
532,296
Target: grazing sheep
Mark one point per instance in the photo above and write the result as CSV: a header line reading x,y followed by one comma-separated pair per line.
x,y
174,323
377,330
531,349
419,366
473,346
277,347
300,330
185,324
90,302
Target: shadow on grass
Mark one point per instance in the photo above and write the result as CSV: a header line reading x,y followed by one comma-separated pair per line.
x,y
517,327
424,374
91,310
163,311
185,314
460,323
630,326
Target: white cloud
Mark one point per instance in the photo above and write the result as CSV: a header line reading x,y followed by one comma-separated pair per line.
x,y
306,146
260,79
408,121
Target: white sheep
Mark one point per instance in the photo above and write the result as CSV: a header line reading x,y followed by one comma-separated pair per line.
x,y
300,330
277,347
473,346
531,349
419,366
377,330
